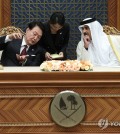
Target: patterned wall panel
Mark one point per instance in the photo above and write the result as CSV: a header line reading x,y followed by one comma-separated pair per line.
x,y
24,11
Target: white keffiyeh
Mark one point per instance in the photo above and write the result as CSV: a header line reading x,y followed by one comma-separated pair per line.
x,y
99,51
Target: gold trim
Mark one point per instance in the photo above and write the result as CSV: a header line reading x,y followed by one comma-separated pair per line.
x,y
110,30
26,95
94,123
26,124
100,95
53,95
84,123
10,29
34,124
89,123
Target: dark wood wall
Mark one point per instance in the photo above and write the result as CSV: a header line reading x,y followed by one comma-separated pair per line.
x,y
5,13
114,13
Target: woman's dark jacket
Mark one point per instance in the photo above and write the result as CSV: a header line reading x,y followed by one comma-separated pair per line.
x,y
61,41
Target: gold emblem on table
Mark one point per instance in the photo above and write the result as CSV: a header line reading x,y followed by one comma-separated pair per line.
x,y
67,109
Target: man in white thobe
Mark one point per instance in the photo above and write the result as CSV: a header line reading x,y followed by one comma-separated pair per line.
x,y
94,45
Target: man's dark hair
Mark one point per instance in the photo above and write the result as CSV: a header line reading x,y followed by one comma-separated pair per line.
x,y
57,17
31,25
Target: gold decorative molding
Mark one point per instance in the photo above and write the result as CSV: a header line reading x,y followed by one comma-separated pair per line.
x,y
27,96
110,30
9,30
53,95
26,124
84,123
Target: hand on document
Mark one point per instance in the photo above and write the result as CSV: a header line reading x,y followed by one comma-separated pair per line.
x,y
56,56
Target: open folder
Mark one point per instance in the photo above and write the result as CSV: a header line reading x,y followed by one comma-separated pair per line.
x,y
56,56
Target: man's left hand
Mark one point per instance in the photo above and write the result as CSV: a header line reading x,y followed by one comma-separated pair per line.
x,y
22,58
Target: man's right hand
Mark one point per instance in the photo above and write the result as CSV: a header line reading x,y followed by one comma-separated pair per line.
x,y
22,59
86,40
15,36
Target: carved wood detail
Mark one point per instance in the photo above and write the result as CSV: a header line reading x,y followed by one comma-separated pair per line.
x,y
5,13
114,13
25,99
26,110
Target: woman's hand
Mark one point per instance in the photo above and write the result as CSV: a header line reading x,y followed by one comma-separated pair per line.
x,y
48,56
61,55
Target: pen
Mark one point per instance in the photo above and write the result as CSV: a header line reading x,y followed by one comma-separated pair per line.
x,y
32,55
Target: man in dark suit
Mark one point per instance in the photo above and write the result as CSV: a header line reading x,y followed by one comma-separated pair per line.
x,y
14,44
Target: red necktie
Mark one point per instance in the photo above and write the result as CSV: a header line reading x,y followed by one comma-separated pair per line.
x,y
24,51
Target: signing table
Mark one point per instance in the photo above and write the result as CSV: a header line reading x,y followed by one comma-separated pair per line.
x,y
26,94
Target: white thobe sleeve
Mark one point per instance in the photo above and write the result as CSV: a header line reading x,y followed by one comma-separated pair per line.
x,y
79,51
113,58
82,53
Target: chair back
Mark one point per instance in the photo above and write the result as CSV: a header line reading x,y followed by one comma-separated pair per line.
x,y
110,30
9,30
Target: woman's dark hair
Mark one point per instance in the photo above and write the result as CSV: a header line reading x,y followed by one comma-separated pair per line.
x,y
57,17
31,25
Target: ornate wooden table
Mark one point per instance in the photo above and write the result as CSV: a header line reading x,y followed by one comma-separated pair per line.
x,y
26,94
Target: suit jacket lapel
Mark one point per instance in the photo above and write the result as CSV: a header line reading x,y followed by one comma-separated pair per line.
x,y
30,50
17,46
